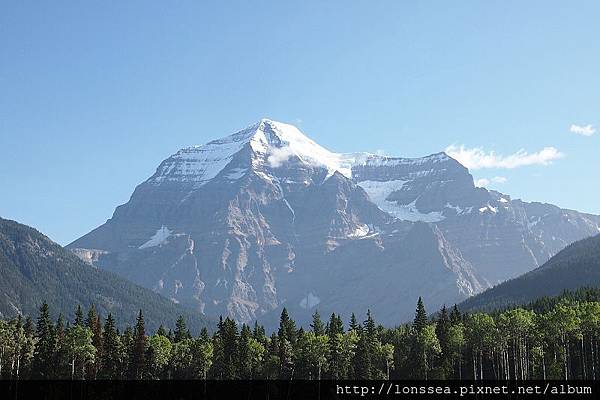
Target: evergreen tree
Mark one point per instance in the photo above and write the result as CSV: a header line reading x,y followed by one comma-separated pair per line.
x,y
111,355
287,327
181,331
335,325
226,350
442,329
286,338
60,349
138,350
79,316
455,317
317,325
43,367
420,321
28,326
161,331
259,333
204,334
243,354
362,357
353,323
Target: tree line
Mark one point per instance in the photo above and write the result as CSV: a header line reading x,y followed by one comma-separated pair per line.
x,y
560,342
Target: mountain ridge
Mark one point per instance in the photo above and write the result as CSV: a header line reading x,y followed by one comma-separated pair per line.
x,y
34,270
241,226
576,266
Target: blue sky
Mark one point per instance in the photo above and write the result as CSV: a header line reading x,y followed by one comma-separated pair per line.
x,y
94,96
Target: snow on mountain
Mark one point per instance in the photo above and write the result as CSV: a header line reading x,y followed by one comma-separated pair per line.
x,y
267,218
379,193
272,143
160,237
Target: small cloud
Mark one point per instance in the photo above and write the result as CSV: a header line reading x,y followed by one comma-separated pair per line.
x,y
279,155
587,130
298,121
478,158
380,152
483,182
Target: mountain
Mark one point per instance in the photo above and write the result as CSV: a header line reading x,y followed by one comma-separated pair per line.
x,y
33,269
266,218
577,266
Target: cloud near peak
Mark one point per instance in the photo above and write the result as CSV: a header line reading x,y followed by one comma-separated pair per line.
x,y
478,158
483,182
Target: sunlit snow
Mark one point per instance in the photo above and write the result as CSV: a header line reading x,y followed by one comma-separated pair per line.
x,y
160,237
380,191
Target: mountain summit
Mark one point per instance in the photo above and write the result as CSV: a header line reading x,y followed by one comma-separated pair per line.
x,y
266,218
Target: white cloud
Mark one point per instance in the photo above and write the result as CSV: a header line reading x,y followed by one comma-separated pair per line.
x,y
478,158
279,155
587,130
483,182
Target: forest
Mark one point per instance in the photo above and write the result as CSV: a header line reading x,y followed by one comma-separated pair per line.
x,y
553,338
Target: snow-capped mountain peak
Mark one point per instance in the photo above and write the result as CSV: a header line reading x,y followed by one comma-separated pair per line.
x,y
272,144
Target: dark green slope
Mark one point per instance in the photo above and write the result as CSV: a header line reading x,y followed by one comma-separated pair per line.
x,y
576,266
34,269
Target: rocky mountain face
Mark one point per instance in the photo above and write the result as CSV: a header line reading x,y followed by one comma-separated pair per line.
x,y
267,218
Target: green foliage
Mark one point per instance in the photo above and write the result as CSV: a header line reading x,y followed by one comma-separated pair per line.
x,y
561,342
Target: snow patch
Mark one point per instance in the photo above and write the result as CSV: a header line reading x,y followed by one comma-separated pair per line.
x,y
490,208
360,231
309,301
159,238
380,191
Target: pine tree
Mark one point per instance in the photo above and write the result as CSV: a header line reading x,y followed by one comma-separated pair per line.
x,y
181,331
362,357
287,327
420,321
335,325
138,350
259,334
59,353
43,358
161,331
455,317
111,357
244,368
226,349
79,316
353,323
286,337
442,329
317,325
204,335
91,317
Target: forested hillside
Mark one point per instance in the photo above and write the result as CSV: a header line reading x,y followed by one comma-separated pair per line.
x,y
559,343
33,269
578,265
